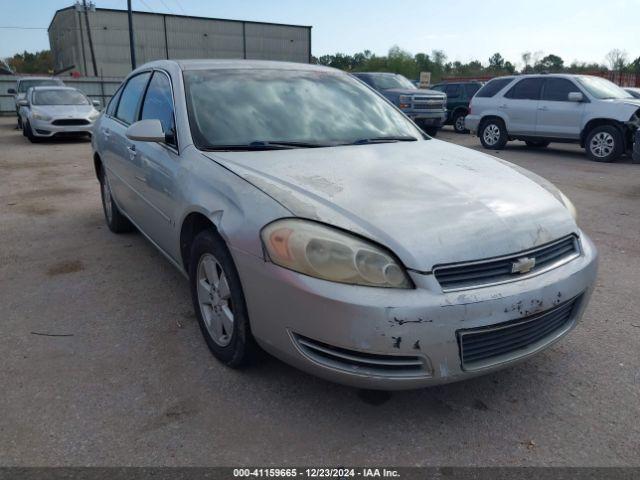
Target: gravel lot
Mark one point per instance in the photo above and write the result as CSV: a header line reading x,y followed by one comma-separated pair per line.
x,y
131,382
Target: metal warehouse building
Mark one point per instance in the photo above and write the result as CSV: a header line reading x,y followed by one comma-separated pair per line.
x,y
161,36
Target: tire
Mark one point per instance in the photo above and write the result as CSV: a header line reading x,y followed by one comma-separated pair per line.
x,y
115,220
458,122
493,134
219,302
28,132
537,143
604,143
19,123
431,131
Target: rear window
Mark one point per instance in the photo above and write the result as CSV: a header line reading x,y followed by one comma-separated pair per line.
x,y
493,87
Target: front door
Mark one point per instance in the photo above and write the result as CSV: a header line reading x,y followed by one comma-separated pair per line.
x,y
557,116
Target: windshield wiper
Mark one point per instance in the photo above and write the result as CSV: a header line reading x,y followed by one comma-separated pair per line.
x,y
264,145
367,141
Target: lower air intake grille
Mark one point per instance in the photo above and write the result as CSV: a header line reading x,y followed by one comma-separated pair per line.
x,y
71,121
494,344
362,363
504,269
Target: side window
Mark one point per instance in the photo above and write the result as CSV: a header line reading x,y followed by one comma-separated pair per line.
x,y
527,89
493,87
453,91
111,108
558,89
158,103
130,98
471,89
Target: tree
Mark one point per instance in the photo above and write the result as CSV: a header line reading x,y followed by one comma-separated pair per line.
x,y
39,62
550,63
617,59
496,62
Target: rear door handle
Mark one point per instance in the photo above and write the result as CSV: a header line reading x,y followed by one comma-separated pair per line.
x,y
106,132
503,106
544,109
132,152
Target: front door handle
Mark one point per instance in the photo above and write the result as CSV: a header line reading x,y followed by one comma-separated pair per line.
x,y
503,106
106,132
544,109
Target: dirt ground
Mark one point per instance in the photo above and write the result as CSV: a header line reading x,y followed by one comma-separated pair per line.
x,y
103,362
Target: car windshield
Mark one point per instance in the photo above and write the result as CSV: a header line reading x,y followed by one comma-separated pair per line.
x,y
602,88
297,108
25,85
59,97
389,81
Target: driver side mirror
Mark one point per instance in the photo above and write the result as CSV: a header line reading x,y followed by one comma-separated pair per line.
x,y
146,131
576,97
96,103
23,103
12,91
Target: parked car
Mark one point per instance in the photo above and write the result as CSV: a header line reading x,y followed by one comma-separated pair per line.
x,y
459,95
540,109
46,112
635,92
25,83
312,218
4,68
426,107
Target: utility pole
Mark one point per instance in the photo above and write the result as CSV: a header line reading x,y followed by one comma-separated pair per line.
x,y
132,45
86,19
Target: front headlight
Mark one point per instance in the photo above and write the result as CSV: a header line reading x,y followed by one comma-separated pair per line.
x,y
94,115
37,115
331,254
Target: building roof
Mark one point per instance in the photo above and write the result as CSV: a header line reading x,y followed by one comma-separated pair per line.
x,y
178,16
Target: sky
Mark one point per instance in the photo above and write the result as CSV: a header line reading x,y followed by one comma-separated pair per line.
x,y
583,30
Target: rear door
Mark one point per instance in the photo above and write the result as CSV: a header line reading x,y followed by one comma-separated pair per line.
x,y
557,116
520,105
159,167
121,161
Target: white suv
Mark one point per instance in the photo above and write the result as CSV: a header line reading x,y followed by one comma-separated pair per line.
x,y
540,109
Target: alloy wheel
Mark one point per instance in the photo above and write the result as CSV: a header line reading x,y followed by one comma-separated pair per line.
x,y
491,134
214,298
460,123
602,144
106,199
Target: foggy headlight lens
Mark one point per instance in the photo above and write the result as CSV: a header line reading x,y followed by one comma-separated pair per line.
x,y
94,115
330,254
40,116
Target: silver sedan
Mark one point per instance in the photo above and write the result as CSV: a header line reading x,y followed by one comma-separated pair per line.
x,y
49,111
316,221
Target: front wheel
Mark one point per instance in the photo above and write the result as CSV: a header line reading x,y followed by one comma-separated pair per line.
x,y
458,122
604,144
28,132
493,134
219,301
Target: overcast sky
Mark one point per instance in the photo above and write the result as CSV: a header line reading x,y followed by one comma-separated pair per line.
x,y
582,30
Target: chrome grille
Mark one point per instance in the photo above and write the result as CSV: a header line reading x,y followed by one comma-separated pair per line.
x,y
426,103
494,344
360,362
499,270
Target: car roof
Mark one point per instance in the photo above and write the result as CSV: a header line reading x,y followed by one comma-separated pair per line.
x,y
222,64
53,87
376,73
39,78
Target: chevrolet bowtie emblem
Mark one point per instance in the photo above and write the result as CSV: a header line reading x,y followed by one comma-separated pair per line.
x,y
523,265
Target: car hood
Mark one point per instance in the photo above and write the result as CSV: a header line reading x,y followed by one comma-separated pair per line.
x,y
420,91
68,111
430,202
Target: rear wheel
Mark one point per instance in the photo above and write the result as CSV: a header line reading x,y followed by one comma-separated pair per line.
x,y
493,134
116,221
219,301
604,143
458,122
537,143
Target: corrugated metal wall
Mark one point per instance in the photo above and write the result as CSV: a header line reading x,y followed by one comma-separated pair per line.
x,y
160,36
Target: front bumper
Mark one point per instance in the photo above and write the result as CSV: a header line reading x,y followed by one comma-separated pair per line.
x,y
431,118
289,310
46,128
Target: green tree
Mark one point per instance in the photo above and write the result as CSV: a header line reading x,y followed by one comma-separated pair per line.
x,y
26,62
550,63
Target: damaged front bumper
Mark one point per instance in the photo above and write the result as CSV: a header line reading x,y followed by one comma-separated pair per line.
x,y
402,339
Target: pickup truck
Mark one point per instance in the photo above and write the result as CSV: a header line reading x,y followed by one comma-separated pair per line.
x,y
427,108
